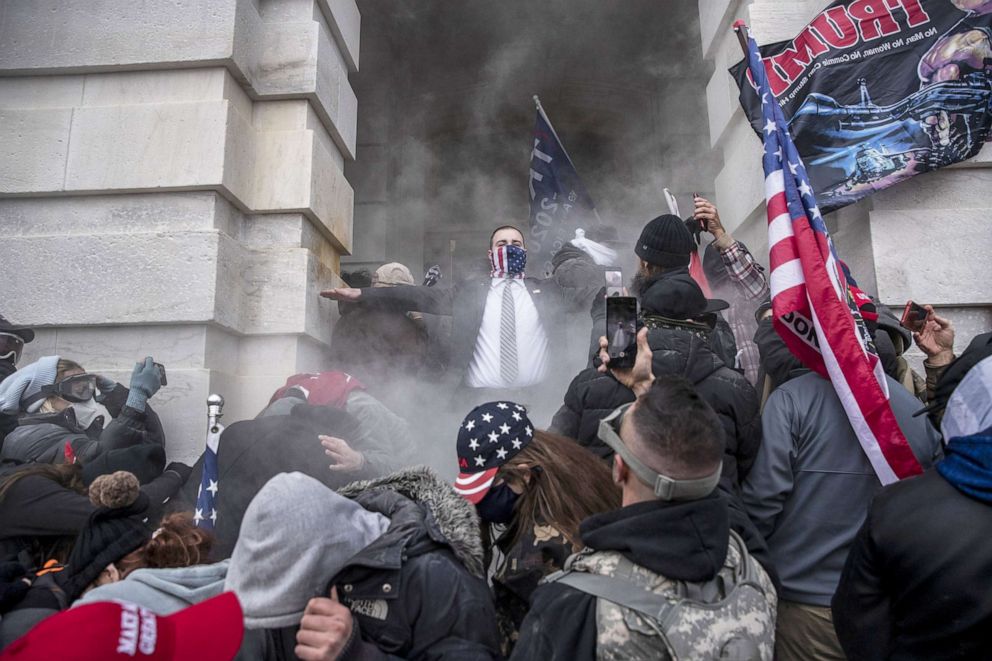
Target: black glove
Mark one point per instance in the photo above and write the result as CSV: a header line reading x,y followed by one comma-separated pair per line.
x,y
181,469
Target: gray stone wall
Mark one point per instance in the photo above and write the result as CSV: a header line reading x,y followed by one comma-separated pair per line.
x,y
172,183
925,239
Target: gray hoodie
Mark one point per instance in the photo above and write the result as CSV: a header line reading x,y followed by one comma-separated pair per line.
x,y
296,532
163,591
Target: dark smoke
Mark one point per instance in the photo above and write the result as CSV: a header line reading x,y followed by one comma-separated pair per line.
x,y
445,119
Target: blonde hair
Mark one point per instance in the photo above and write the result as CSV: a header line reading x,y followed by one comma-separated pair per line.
x,y
64,365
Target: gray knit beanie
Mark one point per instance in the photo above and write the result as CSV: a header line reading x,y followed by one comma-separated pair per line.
x,y
26,382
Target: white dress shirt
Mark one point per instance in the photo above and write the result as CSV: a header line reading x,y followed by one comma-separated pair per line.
x,y
532,341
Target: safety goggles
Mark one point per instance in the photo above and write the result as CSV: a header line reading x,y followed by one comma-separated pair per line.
x,y
78,388
665,488
11,346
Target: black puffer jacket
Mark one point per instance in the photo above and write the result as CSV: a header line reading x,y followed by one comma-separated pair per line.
x,y
41,437
677,352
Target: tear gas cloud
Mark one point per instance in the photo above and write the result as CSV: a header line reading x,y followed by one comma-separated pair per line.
x,y
444,141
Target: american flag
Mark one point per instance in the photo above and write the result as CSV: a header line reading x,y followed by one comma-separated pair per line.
x,y
508,262
812,305
205,514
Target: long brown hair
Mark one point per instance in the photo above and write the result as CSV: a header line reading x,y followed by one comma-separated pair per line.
x,y
46,547
176,543
69,476
567,484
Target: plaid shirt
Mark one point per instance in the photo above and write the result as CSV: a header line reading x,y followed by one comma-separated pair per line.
x,y
750,287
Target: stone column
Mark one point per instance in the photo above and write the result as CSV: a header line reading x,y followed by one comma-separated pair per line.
x,y
924,239
172,184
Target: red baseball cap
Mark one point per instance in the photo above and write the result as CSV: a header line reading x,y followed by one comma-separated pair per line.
x,y
211,631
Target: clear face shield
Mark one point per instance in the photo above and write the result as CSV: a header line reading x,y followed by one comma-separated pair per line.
x,y
665,488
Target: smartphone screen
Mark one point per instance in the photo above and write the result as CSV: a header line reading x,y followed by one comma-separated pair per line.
x,y
161,374
621,330
614,283
914,317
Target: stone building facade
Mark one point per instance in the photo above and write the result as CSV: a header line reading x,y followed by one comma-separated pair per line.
x,y
181,178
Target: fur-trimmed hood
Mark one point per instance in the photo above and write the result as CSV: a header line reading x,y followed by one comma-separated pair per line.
x,y
449,518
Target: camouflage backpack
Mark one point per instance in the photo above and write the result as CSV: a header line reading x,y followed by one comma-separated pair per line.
x,y
640,614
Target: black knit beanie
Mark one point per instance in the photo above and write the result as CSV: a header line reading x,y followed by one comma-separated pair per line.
x,y
665,242
114,530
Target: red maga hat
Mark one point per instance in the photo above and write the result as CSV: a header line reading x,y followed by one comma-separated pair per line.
x,y
209,631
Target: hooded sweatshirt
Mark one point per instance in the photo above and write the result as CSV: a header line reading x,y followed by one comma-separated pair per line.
x,y
296,533
562,621
163,591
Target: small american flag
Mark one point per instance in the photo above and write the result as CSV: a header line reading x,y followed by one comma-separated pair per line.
x,y
205,514
812,305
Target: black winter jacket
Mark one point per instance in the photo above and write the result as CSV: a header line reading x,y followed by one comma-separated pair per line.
x,y
561,623
41,437
251,452
677,352
38,512
918,581
418,592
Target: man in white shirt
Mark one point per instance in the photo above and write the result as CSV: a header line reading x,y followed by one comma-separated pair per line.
x,y
504,327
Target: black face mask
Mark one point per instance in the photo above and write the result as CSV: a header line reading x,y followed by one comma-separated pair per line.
x,y
498,505
776,358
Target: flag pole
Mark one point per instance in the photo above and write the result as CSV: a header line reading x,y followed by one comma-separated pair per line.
x,y
740,27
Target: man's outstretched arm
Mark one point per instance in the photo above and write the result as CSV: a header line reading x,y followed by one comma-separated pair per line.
x,y
401,298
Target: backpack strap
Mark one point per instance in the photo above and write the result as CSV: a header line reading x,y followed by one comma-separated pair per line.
x,y
619,591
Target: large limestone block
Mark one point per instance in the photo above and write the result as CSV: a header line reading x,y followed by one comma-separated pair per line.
x,y
34,147
41,91
118,348
714,15
115,214
66,35
346,23
302,58
938,256
301,51
740,185
98,279
178,130
778,20
147,146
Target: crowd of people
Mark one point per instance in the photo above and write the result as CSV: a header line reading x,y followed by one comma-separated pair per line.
x,y
709,501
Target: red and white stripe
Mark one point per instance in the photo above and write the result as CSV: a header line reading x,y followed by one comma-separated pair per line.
x,y
474,486
808,289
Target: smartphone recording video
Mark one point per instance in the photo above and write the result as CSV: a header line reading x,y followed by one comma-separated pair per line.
x,y
914,317
621,329
614,283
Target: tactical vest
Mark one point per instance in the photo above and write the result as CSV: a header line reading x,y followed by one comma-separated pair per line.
x,y
643,615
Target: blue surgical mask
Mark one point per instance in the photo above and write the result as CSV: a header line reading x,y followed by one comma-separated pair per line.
x,y
498,505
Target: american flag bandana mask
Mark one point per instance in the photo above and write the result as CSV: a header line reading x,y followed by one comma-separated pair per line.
x,y
508,261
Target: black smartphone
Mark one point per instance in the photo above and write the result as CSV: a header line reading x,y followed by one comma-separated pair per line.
x,y
621,330
614,282
161,373
702,223
914,317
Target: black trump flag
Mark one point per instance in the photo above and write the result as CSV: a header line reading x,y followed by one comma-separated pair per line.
x,y
877,91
